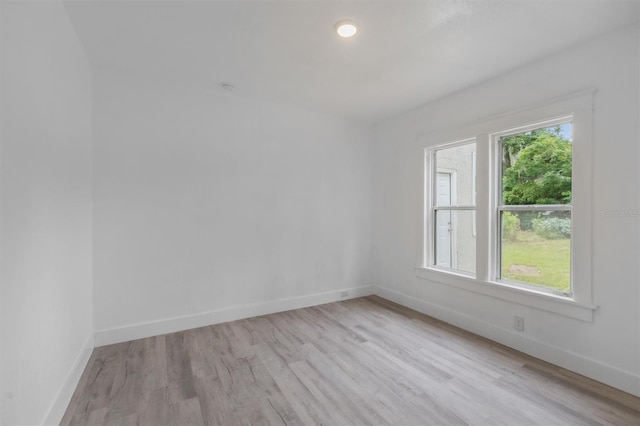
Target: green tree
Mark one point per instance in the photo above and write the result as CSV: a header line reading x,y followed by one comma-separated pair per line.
x,y
512,145
541,171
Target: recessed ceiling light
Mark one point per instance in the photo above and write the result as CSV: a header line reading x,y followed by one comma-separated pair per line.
x,y
346,29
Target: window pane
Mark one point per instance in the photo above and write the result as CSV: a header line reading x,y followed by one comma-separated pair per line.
x,y
536,248
455,176
455,244
536,166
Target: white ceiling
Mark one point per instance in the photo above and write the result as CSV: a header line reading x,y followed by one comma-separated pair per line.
x,y
405,54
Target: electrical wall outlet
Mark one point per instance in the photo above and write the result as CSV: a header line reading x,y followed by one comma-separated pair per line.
x,y
344,293
518,323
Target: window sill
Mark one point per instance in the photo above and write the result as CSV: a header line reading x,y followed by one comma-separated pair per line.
x,y
536,299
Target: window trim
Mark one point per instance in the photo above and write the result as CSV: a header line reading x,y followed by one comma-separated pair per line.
x,y
579,305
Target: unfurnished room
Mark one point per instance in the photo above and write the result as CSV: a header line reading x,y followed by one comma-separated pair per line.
x,y
319,212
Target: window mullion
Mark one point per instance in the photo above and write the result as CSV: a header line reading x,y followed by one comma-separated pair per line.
x,y
536,207
483,216
436,208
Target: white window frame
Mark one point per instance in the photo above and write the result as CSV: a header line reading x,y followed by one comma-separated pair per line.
x,y
498,207
429,223
579,304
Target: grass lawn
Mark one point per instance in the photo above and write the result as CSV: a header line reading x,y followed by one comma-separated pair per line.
x,y
538,261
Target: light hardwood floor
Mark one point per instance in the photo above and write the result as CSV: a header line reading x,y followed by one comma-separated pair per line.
x,y
363,361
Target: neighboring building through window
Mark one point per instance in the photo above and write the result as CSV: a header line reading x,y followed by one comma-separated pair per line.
x,y
454,207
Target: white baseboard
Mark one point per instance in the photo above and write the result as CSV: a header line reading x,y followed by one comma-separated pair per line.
x,y
170,325
612,376
59,406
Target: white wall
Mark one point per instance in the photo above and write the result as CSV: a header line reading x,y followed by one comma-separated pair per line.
x,y
205,201
607,348
46,321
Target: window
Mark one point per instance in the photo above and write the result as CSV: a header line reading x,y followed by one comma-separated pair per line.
x,y
508,207
453,213
534,206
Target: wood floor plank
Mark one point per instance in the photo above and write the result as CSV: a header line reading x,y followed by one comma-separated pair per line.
x,y
272,397
398,385
94,417
342,381
329,395
309,409
97,382
256,397
179,371
362,361
185,413
128,393
391,403
215,403
546,398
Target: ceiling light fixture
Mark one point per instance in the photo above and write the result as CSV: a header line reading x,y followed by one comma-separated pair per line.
x,y
346,29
